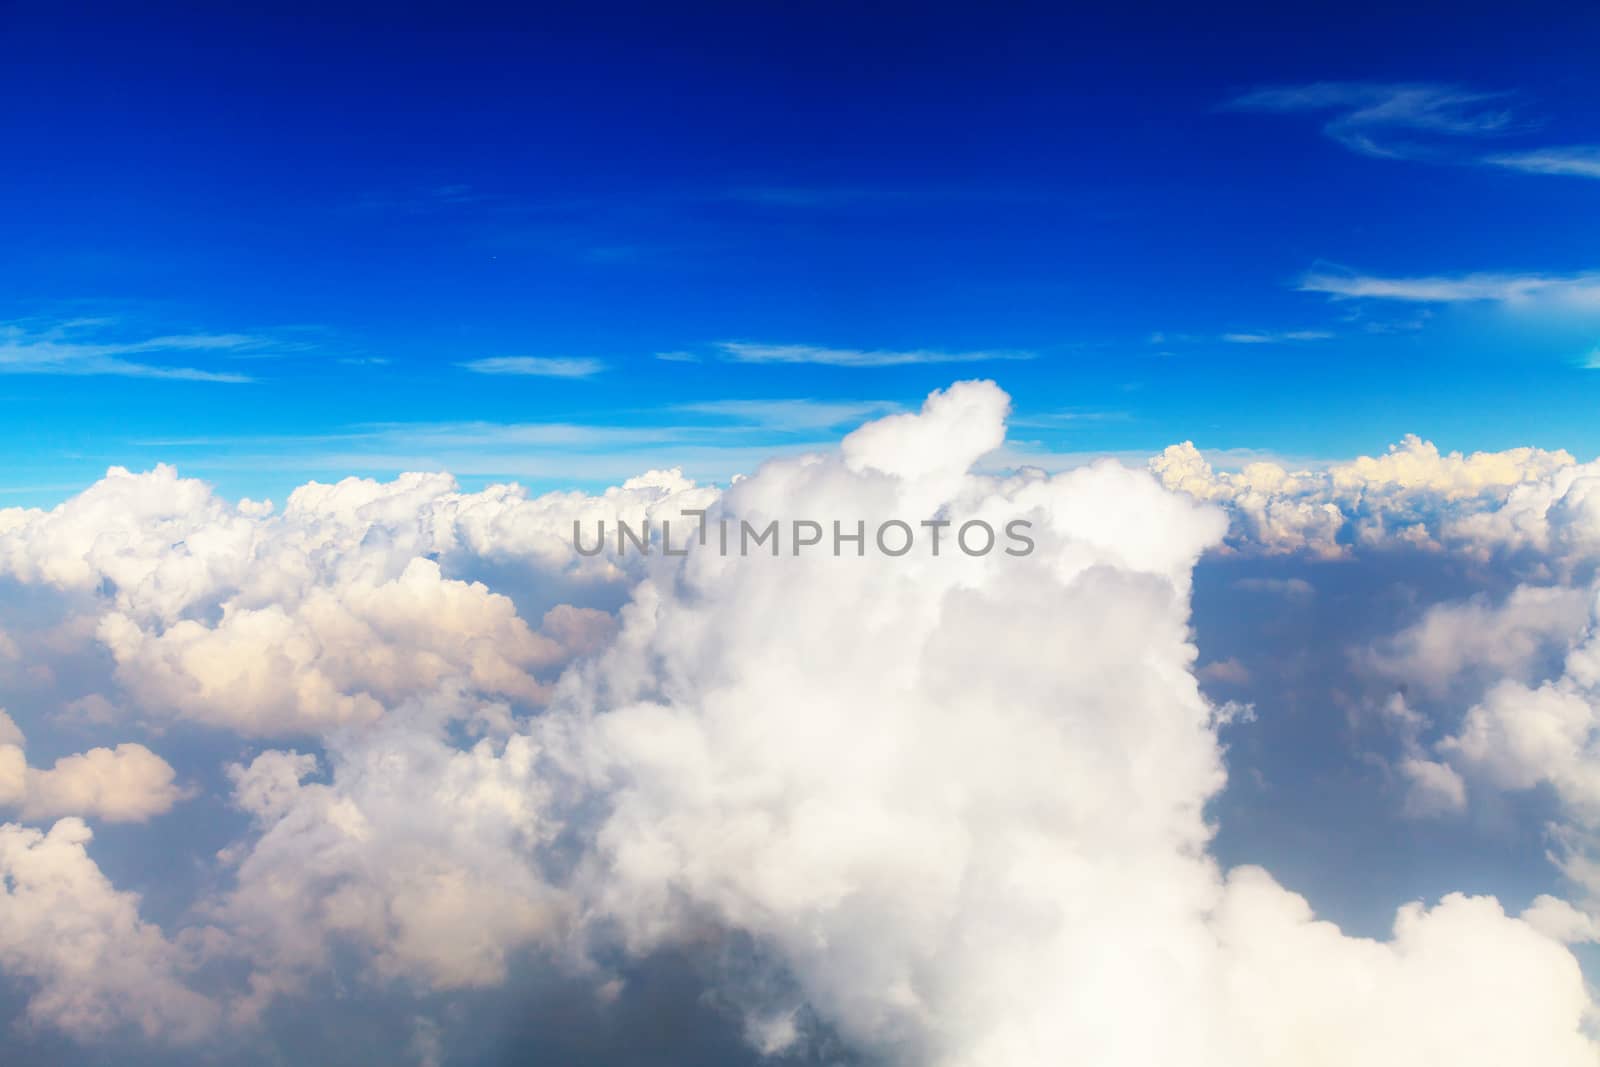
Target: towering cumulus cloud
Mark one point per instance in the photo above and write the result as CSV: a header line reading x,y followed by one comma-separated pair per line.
x,y
961,801
946,808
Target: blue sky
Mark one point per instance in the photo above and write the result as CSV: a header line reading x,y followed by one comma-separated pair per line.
x,y
566,248
563,247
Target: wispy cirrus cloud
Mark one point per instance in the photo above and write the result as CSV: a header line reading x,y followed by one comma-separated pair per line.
x,y
1422,121
1243,337
535,366
792,415
78,348
1276,337
1063,420
713,439
1385,119
1578,161
751,352
1581,290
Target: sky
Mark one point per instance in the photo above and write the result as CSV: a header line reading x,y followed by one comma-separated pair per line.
x,y
269,247
325,332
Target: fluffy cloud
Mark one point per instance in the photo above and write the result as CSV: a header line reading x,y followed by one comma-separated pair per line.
x,y
420,854
1524,734
970,824
1435,788
1483,639
1482,503
1521,735
267,624
336,658
94,966
956,805
1275,509
128,783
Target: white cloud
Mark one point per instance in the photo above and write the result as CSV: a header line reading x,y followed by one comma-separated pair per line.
x,y
334,657
1579,161
1415,465
789,415
95,968
1273,337
960,803
1292,588
1423,121
1486,640
969,849
1275,510
128,783
13,775
749,352
1412,494
421,855
1386,119
1579,290
1521,735
264,623
1436,788
536,366
62,349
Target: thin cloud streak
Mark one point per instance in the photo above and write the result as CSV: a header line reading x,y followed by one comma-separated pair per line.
x,y
1060,420
56,351
1580,289
1578,161
1374,119
535,367
794,414
735,438
1368,116
750,352
1270,337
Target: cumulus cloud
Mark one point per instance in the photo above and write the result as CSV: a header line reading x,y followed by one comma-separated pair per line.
x,y
967,852
94,966
1521,735
1412,495
422,855
1526,733
336,657
955,806
1435,788
1275,509
128,783
266,623
1483,639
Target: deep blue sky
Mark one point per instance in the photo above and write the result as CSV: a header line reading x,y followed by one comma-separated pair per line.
x,y
345,208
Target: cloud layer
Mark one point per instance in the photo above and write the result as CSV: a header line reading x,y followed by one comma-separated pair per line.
x,y
938,809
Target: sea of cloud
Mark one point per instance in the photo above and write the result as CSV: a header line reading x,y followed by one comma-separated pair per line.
x,y
947,810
